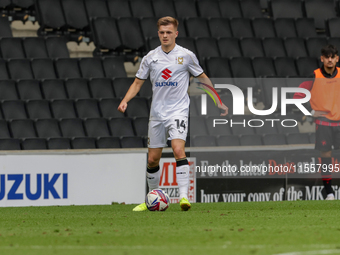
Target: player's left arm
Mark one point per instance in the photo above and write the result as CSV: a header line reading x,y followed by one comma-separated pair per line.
x,y
203,78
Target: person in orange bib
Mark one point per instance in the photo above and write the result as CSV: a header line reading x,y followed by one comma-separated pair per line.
x,y
325,103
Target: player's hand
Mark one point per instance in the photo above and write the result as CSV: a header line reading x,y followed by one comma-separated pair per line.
x,y
122,107
224,108
319,114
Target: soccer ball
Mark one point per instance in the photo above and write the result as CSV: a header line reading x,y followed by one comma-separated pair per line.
x,y
157,200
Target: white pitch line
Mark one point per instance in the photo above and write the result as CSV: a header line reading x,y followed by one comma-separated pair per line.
x,y
311,252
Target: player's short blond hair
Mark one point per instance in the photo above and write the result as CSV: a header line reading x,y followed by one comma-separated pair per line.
x,y
167,21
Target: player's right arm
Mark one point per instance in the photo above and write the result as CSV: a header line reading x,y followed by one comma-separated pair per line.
x,y
132,92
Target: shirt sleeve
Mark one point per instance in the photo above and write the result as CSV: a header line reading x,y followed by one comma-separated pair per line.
x,y
194,67
144,70
305,85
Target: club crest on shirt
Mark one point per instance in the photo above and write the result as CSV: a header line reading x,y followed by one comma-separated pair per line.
x,y
180,60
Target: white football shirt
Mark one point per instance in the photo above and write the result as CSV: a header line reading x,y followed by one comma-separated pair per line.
x,y
169,75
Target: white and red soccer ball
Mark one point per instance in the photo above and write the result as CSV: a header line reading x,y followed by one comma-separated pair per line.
x,y
157,200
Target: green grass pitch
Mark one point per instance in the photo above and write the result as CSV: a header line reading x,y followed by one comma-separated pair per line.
x,y
294,228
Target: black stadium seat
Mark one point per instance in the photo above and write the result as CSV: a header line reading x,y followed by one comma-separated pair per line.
x,y
163,8
197,27
83,143
67,68
320,11
132,142
219,27
14,109
97,127
109,107
5,28
91,68
34,144
10,144
8,90
285,27
251,8
56,47
108,142
295,47
286,9
274,47
12,48
230,9
137,107
77,88
22,129
53,89
75,20
87,108
59,143
95,8
35,47
118,8
252,47
43,69
63,109
263,27
121,127
141,8
48,128
131,34
71,128
209,8
241,27
101,88
185,8
229,47
114,67
38,109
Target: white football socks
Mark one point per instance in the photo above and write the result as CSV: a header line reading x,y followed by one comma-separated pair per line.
x,y
182,173
153,175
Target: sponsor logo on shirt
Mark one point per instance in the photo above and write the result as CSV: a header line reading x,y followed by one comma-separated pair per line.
x,y
166,84
166,73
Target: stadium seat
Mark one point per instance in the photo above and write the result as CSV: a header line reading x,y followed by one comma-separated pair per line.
x,y
35,47
4,130
274,139
218,67
263,27
289,128
22,129
8,90
314,46
286,9
131,33
263,67
83,143
252,47
148,26
242,67
105,34
274,47
197,27
75,20
141,8
132,142
140,125
137,107
203,141
219,27
306,66
251,9
87,108
228,140
285,27
5,28
239,125
333,27
56,47
320,11
95,8
206,47
38,109
163,8
121,86
114,67
71,128
295,47
47,128
186,42
185,8
77,88
53,89
67,68
43,69
241,27
97,127
50,20
108,143
285,67
91,68
218,129
267,86
121,127
34,144
109,107
101,88
229,47
10,144
251,140
12,48
14,109
305,27
230,9
298,138
59,143
63,109
268,127
3,70
197,126
208,8
118,8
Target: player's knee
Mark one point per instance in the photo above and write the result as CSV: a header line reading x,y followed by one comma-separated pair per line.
x,y
153,161
179,152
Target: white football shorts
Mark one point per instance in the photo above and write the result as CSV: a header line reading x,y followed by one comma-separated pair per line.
x,y
162,130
